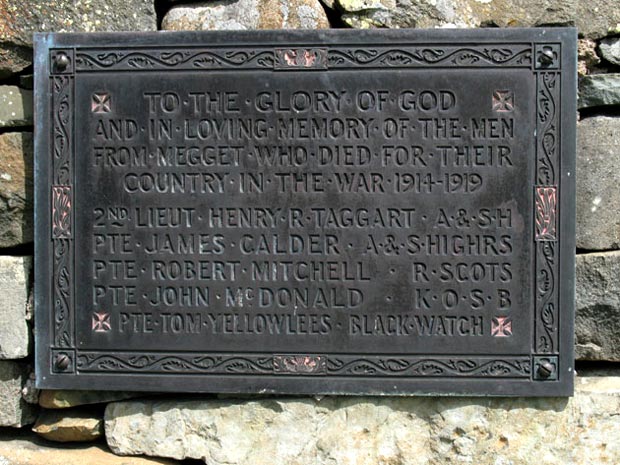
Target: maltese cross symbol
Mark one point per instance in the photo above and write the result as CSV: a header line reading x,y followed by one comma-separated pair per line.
x,y
501,326
100,103
101,322
503,101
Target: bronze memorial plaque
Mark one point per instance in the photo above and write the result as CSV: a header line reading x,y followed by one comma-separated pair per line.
x,y
317,212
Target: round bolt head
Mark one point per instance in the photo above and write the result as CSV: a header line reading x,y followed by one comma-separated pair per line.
x,y
547,56
62,362
62,61
545,369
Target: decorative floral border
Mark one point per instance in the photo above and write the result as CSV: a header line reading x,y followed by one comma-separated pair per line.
x,y
547,193
320,57
62,91
327,365
334,57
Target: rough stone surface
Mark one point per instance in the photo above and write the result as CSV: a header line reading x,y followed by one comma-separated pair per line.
x,y
598,90
13,59
15,106
19,19
593,18
598,183
75,425
597,319
586,53
14,411
247,14
14,286
30,393
371,431
16,188
54,399
21,448
610,49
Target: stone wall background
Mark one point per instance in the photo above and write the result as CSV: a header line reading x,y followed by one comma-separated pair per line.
x,y
98,427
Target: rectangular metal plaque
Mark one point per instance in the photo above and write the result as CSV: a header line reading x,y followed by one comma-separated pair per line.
x,y
360,212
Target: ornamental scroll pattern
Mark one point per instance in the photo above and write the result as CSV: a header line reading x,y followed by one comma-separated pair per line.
x,y
546,213
334,57
61,212
299,364
150,60
301,58
507,367
546,207
433,55
61,198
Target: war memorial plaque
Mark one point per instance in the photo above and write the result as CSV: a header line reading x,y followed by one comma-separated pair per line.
x,y
362,212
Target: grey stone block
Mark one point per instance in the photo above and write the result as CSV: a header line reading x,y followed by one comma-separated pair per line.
x,y
16,188
15,106
246,14
594,19
14,411
376,430
598,183
599,90
610,49
15,333
597,320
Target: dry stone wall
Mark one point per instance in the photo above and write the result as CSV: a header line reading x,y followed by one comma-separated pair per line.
x,y
55,427
379,430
